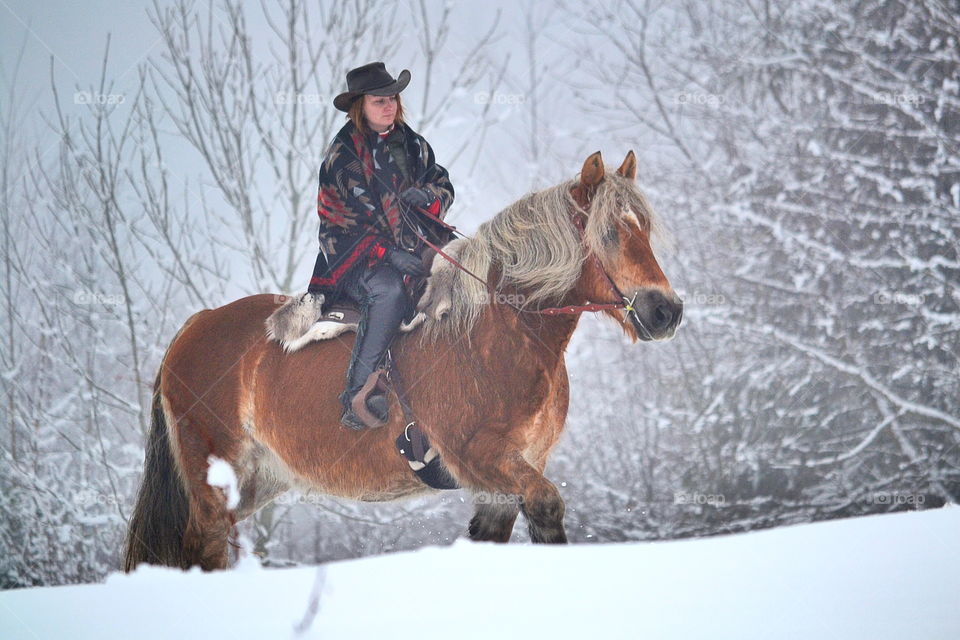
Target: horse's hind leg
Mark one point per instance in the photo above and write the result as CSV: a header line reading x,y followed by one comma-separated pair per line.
x,y
494,517
206,537
205,540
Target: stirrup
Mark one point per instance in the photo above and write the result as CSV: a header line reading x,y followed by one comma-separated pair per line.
x,y
412,443
375,382
350,420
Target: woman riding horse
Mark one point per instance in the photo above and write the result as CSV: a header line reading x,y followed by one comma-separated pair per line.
x,y
492,389
378,182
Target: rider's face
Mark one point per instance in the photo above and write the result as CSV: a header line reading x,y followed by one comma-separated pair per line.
x,y
380,111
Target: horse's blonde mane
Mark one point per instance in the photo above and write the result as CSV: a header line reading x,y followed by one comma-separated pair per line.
x,y
537,249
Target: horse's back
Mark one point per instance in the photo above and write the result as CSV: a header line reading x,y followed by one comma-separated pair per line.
x,y
213,344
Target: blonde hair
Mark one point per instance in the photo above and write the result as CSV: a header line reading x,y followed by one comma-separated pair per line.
x,y
537,248
355,114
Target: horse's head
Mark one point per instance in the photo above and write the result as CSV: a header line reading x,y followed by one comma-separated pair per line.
x,y
618,231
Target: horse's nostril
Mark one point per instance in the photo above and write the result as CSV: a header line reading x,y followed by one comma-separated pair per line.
x,y
662,316
663,312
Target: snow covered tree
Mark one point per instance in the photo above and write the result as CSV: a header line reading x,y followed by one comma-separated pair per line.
x,y
807,155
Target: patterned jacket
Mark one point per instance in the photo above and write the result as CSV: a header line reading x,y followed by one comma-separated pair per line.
x,y
358,201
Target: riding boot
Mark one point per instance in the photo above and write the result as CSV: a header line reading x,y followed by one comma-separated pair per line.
x,y
384,302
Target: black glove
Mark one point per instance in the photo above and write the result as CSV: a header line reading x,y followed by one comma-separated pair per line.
x,y
407,263
417,197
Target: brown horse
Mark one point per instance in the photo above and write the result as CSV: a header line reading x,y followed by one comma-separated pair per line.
x,y
484,372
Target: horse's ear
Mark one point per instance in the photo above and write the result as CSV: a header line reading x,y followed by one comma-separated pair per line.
x,y
629,167
592,172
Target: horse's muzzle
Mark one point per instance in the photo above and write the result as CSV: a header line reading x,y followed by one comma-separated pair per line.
x,y
657,314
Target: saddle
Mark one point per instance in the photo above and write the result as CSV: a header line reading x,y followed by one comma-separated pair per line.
x,y
302,319
344,313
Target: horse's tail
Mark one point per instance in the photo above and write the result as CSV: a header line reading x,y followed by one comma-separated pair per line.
x,y
159,519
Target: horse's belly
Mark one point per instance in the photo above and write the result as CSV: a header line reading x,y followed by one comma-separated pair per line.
x,y
400,491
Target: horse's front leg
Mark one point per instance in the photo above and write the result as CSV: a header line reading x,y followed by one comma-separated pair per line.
x,y
544,513
505,483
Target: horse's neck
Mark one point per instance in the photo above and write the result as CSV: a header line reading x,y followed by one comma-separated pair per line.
x,y
508,335
545,336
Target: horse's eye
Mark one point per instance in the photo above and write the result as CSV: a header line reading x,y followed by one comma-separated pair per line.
x,y
611,238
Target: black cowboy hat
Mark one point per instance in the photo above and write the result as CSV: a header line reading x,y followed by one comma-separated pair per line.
x,y
371,79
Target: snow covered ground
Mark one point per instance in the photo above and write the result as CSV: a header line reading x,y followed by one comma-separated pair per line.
x,y
891,576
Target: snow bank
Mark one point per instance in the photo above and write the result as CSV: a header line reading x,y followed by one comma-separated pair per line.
x,y
220,474
893,576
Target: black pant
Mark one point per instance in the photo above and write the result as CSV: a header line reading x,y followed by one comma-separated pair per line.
x,y
384,301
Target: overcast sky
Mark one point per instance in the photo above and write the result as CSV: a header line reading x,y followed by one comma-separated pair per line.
x,y
73,34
